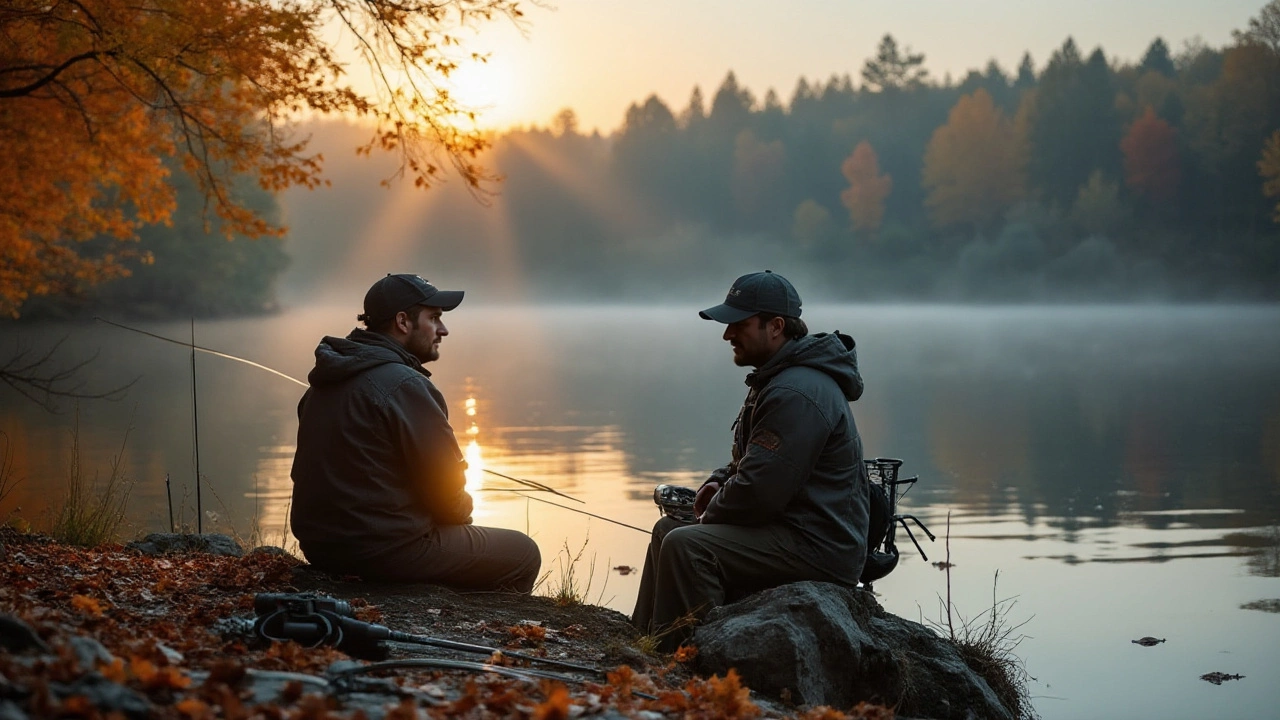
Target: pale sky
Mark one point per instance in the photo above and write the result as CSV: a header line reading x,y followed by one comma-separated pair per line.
x,y
598,56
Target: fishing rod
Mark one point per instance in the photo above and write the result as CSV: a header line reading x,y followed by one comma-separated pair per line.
x,y
530,484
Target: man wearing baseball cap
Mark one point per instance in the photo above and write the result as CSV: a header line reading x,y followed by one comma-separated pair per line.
x,y
378,484
792,504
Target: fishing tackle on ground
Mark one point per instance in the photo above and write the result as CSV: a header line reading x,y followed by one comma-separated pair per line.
x,y
314,620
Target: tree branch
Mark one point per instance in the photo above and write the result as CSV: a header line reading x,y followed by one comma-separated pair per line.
x,y
25,90
34,377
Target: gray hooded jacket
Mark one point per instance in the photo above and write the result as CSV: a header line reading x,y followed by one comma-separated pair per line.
x,y
377,465
797,456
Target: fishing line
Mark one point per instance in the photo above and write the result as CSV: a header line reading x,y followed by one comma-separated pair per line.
x,y
530,484
534,485
584,512
193,346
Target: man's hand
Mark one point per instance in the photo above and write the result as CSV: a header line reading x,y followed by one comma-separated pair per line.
x,y
703,498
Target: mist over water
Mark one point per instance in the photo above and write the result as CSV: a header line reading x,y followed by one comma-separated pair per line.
x,y
1118,465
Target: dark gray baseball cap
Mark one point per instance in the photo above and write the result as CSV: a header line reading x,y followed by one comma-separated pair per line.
x,y
761,292
394,293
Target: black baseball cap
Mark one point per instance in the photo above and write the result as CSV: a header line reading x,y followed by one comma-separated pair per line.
x,y
394,293
762,292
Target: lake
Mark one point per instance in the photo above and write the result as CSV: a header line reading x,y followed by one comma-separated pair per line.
x,y
1119,467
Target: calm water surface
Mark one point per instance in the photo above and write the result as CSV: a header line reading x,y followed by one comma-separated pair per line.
x,y
1118,467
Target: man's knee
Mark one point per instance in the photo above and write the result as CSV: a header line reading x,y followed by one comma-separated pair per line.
x,y
681,545
532,558
527,562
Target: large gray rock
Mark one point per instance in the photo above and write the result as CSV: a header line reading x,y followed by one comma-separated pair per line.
x,y
163,543
822,644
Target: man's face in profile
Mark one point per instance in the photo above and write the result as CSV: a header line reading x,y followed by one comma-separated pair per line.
x,y
751,341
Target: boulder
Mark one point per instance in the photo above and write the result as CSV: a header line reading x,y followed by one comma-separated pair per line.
x,y
817,643
162,543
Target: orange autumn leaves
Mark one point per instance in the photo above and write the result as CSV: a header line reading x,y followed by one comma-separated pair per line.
x,y
100,100
865,196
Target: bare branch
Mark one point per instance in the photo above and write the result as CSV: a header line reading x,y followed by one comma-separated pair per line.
x,y
35,377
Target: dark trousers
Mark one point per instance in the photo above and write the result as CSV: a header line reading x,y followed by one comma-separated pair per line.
x,y
690,569
466,557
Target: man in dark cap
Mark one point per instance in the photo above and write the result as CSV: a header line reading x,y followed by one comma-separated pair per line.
x,y
792,504
378,484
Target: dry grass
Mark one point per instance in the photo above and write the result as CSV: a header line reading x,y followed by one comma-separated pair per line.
x,y
988,643
647,644
568,588
91,512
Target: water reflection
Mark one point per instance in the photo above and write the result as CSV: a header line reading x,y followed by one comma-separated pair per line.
x,y
1094,449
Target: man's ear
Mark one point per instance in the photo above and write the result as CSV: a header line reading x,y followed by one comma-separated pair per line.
x,y
777,325
402,322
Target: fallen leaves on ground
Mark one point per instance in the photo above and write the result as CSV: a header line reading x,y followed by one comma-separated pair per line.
x,y
154,616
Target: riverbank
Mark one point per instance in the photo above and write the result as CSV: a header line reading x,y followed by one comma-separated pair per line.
x,y
148,636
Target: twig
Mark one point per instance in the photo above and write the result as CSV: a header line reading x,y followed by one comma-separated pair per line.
x,y
950,627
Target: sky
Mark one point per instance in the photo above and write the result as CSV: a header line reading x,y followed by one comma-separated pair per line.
x,y
599,56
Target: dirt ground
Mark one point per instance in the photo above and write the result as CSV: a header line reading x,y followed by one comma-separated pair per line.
x,y
581,634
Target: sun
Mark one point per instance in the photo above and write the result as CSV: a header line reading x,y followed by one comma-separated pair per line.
x,y
486,88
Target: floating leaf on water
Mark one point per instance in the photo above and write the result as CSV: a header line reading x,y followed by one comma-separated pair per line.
x,y
1218,678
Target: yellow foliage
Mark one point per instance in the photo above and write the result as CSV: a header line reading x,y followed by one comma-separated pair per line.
x,y
974,165
86,605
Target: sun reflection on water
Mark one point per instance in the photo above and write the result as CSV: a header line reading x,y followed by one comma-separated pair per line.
x,y
475,466
474,453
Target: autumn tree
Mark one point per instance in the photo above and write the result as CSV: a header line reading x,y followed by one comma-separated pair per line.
x,y
973,166
893,69
1269,169
95,95
1151,166
865,196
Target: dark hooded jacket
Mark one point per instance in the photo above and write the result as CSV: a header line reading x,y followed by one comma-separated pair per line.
x,y
377,465
797,456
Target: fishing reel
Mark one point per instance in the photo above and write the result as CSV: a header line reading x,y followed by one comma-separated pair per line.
x,y
315,620
676,501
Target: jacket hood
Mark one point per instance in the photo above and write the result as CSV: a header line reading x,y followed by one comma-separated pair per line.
x,y
340,358
832,353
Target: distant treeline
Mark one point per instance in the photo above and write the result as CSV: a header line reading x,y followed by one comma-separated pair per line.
x,y
1083,179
